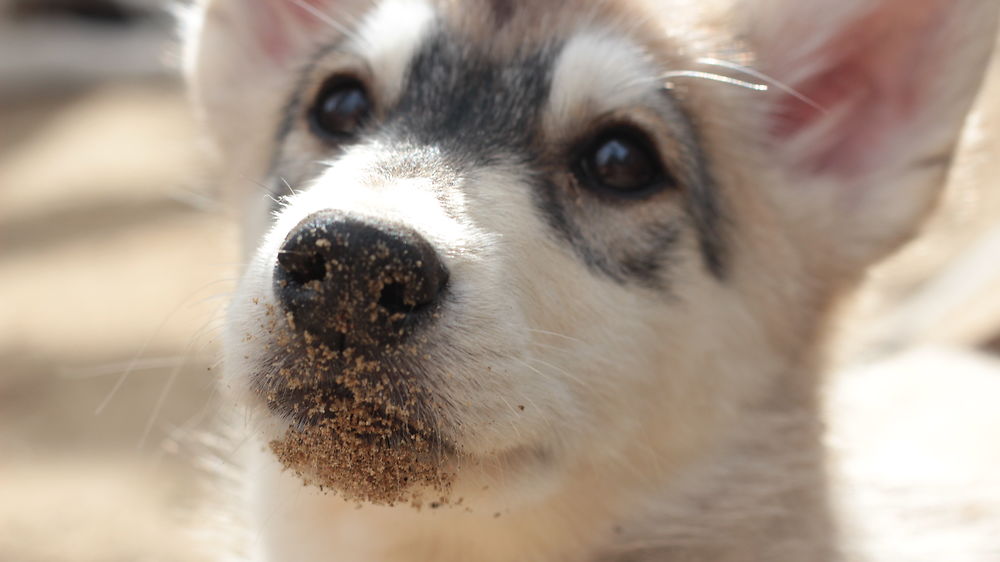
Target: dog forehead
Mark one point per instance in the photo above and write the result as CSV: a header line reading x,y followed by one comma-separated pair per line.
x,y
510,26
394,31
461,97
457,49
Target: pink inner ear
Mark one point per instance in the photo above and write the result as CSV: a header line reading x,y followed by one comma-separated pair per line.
x,y
274,31
868,85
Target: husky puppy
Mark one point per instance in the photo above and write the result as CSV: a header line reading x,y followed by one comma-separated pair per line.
x,y
550,281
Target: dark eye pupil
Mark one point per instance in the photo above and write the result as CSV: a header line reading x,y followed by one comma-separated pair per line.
x,y
341,109
622,164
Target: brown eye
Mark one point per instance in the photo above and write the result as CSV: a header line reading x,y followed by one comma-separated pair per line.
x,y
623,162
341,108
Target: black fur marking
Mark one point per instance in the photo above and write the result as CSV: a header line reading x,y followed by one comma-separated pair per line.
x,y
647,266
553,211
481,110
701,202
642,259
503,11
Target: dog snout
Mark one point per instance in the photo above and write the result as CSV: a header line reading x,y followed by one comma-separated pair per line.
x,y
357,284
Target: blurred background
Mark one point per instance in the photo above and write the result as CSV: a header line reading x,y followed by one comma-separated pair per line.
x,y
116,259
114,264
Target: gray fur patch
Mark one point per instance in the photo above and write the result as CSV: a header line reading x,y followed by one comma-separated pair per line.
x,y
480,110
472,106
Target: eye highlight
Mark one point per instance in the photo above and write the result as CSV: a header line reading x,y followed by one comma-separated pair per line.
x,y
622,162
341,108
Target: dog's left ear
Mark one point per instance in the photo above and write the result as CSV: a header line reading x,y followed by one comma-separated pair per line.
x,y
241,53
881,90
271,29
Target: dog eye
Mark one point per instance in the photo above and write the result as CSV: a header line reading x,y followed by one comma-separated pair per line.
x,y
340,109
623,162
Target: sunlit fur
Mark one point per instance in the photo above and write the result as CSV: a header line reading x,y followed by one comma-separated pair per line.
x,y
603,420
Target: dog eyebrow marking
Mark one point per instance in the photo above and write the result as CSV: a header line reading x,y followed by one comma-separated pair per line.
x,y
701,203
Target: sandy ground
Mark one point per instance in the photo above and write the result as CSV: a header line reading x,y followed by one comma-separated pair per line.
x,y
111,256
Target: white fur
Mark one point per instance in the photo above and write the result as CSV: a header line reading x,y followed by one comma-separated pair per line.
x,y
389,36
598,72
598,420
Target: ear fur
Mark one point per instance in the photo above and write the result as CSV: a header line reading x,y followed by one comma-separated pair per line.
x,y
882,90
241,56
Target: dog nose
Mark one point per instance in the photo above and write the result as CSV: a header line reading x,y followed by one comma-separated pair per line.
x,y
356,284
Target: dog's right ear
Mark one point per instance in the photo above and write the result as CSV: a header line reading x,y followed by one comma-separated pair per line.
x,y
874,99
240,52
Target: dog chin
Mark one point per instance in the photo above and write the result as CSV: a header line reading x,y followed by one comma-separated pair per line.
x,y
353,442
407,467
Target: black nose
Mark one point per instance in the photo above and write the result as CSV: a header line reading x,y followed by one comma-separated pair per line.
x,y
356,284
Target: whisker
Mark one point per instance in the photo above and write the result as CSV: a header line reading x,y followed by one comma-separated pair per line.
x,y
559,370
713,77
235,447
761,76
150,364
325,18
288,185
160,402
546,419
513,411
131,365
172,379
528,365
266,190
557,348
556,334
183,434
212,298
185,304
196,199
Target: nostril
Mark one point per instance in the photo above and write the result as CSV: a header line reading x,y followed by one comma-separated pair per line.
x,y
302,266
393,299
418,291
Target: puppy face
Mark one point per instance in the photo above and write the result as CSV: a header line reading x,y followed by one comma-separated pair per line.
x,y
509,244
